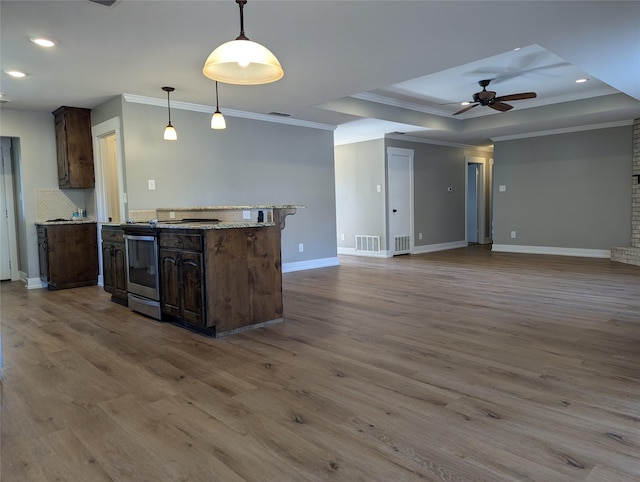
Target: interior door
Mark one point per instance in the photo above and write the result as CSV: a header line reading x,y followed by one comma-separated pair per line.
x,y
472,203
8,235
400,199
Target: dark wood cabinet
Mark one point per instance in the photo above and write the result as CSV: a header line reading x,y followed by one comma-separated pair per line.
x,y
221,280
68,255
74,147
182,276
114,263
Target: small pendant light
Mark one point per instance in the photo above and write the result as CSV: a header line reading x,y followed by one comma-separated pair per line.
x,y
242,61
170,133
217,119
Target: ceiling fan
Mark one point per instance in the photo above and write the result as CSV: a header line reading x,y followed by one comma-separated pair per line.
x,y
488,98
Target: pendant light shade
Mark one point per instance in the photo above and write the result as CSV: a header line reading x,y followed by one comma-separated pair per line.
x,y
242,61
217,120
170,133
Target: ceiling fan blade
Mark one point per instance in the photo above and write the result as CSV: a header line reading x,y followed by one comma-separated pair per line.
x,y
523,95
500,106
465,109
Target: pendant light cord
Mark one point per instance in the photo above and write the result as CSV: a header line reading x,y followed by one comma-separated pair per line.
x,y
217,108
169,106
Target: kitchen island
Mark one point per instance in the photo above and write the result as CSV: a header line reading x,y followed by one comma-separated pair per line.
x,y
220,268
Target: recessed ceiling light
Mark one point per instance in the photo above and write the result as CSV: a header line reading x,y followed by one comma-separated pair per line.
x,y
516,49
581,81
465,103
43,42
15,73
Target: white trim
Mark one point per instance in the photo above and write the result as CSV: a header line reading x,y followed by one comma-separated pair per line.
x,y
423,140
353,252
430,248
551,250
565,130
309,264
34,283
140,99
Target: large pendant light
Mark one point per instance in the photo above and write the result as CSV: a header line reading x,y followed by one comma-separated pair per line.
x,y
242,61
217,119
170,133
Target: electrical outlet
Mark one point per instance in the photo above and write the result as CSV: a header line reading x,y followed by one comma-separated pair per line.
x,y
342,237
152,184
513,234
378,188
246,214
300,247
502,188
172,214
419,235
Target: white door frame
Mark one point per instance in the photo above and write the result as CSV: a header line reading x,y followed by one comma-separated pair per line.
x,y
106,128
390,236
12,235
99,132
481,197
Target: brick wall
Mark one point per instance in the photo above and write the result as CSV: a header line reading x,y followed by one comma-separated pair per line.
x,y
632,255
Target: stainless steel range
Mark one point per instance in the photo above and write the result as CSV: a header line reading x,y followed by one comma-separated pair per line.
x,y
141,242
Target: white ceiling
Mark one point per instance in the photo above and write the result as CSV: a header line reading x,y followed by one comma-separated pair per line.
x,y
368,67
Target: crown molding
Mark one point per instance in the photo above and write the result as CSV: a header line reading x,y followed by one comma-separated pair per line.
x,y
140,99
564,130
422,140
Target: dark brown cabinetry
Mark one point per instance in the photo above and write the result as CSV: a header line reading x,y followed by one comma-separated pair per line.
x,y
74,148
221,280
68,255
182,276
114,263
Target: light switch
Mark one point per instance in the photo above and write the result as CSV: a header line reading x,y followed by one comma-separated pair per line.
x,y
246,214
378,188
502,188
152,184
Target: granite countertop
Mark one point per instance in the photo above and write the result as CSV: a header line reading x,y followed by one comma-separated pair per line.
x,y
207,225
224,208
56,222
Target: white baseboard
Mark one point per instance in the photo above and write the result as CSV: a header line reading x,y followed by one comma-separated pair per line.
x,y
309,264
430,248
578,252
34,283
353,252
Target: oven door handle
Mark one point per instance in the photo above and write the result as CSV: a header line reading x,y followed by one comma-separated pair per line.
x,y
139,238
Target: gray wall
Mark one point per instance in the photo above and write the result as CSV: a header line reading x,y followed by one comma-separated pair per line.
x,y
38,168
250,162
438,214
566,190
360,167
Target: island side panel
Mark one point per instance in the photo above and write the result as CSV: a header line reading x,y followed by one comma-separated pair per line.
x,y
244,277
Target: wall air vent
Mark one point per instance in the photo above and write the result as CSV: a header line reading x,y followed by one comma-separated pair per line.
x,y
403,244
368,244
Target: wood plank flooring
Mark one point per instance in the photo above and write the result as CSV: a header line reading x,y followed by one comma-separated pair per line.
x,y
463,365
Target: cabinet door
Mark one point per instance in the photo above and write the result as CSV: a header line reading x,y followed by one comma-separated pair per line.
x,y
170,291
107,267
192,287
43,255
61,150
119,271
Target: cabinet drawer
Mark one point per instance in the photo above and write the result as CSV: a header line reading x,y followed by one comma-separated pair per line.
x,y
189,241
115,235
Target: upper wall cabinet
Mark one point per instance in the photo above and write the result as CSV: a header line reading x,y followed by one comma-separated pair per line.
x,y
74,148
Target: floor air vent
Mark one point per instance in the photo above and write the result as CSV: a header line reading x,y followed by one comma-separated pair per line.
x,y
402,244
369,244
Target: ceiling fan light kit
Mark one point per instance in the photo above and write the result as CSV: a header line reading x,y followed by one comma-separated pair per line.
x,y
242,61
487,98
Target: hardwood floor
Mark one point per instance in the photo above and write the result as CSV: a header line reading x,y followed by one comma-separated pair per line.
x,y
463,365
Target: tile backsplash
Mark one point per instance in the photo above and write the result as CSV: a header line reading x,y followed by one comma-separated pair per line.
x,y
61,203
